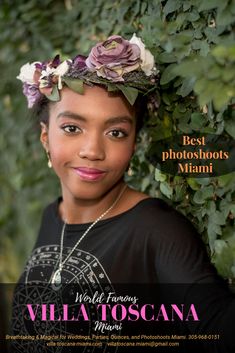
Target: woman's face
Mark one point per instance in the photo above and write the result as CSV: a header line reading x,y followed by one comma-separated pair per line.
x,y
91,139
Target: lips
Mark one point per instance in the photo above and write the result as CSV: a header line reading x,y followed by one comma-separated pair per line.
x,y
91,174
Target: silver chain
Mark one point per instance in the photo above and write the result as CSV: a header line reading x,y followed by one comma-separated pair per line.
x,y
61,263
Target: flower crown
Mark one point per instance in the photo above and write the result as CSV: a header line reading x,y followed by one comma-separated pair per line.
x,y
116,63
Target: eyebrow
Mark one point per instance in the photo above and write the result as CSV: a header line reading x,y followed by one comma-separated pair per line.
x,y
108,122
71,115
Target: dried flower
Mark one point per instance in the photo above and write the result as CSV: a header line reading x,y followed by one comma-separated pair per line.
x,y
79,62
27,73
113,58
147,59
117,63
32,93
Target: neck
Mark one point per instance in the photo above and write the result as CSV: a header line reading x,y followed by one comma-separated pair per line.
x,y
80,210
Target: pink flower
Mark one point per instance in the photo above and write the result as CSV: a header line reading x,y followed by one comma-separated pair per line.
x,y
113,58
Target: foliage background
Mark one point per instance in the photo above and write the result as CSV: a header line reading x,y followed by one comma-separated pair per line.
x,y
193,44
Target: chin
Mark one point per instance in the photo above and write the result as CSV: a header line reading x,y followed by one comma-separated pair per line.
x,y
89,190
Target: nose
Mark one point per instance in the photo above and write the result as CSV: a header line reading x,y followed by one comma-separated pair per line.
x,y
92,148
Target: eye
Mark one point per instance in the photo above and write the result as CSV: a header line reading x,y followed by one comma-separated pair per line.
x,y
71,129
118,134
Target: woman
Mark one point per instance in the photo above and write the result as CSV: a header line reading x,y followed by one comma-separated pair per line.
x,y
100,231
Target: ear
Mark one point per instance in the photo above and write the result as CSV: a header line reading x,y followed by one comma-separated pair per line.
x,y
44,136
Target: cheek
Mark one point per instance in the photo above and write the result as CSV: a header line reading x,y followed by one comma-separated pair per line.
x,y
59,152
120,156
58,146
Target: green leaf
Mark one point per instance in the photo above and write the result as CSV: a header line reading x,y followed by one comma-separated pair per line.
x,y
209,5
220,97
186,6
230,128
224,180
193,15
198,120
168,74
159,176
200,85
54,96
219,245
166,189
214,72
192,182
212,231
232,209
171,6
186,87
75,85
210,207
112,87
166,58
189,68
180,191
204,181
204,48
130,93
225,54
225,18
227,74
229,235
144,184
225,209
219,218
211,34
224,260
201,195
184,127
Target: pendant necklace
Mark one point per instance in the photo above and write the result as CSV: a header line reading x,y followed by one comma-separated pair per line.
x,y
55,279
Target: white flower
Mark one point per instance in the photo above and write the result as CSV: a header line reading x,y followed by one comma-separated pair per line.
x,y
27,73
44,78
147,59
62,68
61,71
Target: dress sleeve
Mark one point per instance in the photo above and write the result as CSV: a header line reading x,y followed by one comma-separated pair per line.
x,y
181,261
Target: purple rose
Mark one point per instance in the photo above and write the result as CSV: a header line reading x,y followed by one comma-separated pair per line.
x,y
32,93
113,58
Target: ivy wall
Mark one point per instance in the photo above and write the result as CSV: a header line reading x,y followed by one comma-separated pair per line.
x,y
193,44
